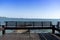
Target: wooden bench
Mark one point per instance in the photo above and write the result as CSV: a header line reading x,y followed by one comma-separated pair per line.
x,y
13,25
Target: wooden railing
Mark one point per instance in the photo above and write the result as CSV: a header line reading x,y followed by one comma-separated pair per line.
x,y
29,28
52,27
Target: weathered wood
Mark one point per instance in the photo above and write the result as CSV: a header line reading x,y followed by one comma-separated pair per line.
x,y
57,29
18,36
53,29
40,23
31,28
31,36
43,25
49,36
3,31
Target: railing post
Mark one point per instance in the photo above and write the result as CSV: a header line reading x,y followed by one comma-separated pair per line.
x,y
33,24
6,24
42,24
53,29
58,25
16,24
50,23
3,31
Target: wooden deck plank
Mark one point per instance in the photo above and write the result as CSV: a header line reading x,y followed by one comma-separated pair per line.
x,y
27,36
20,37
50,36
56,36
1,29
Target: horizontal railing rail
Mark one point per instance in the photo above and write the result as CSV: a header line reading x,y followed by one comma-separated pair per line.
x,y
12,28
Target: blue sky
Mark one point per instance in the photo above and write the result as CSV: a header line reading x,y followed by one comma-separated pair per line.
x,y
30,8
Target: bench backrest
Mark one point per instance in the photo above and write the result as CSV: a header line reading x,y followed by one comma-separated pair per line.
x,y
58,25
35,24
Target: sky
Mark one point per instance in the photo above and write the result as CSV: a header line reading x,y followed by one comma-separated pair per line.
x,y
30,8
